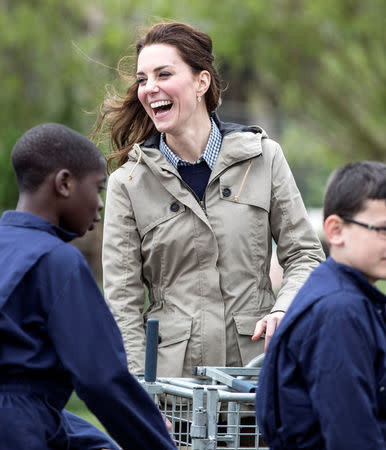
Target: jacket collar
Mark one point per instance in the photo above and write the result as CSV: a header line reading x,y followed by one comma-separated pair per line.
x,y
231,151
360,280
28,220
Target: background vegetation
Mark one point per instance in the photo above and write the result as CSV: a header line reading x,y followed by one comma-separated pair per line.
x,y
313,74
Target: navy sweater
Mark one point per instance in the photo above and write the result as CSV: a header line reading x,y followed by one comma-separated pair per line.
x,y
196,176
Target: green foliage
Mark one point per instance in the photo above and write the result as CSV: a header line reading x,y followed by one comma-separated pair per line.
x,y
45,74
381,285
323,63
311,73
8,186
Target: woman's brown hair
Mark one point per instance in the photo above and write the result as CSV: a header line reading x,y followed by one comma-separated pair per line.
x,y
127,119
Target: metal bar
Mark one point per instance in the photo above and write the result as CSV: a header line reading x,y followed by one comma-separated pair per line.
x,y
211,406
233,423
151,350
210,371
224,395
227,376
198,428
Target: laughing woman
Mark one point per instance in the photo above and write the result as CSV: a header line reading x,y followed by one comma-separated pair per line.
x,y
191,212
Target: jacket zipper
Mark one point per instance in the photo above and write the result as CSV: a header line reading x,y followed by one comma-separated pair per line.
x,y
200,202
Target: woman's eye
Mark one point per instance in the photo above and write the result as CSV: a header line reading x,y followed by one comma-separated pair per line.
x,y
164,74
141,80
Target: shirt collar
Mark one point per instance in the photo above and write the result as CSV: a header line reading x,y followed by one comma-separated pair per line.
x,y
28,220
209,155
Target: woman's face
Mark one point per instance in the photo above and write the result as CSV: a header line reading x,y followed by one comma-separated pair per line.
x,y
168,88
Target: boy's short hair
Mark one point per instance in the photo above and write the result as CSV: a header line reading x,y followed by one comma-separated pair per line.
x,y
350,186
51,146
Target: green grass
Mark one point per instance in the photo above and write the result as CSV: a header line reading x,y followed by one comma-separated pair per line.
x,y
76,406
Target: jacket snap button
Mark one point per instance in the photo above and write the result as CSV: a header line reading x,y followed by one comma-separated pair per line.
x,y
382,388
174,207
226,192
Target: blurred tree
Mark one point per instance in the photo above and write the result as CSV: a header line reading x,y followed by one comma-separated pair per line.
x,y
323,63
317,70
44,75
311,73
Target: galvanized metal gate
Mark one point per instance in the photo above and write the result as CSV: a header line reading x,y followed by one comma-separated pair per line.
x,y
214,410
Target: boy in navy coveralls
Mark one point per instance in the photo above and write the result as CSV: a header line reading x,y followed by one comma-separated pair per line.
x,y
56,331
323,383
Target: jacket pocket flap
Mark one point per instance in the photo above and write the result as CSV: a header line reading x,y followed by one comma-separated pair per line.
x,y
246,323
172,332
253,192
174,210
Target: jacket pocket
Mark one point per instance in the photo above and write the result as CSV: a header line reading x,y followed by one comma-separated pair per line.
x,y
174,335
245,323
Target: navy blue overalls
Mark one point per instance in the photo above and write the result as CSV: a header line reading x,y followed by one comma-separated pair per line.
x,y
57,334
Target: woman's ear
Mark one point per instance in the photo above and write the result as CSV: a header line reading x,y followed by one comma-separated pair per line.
x,y
203,82
333,230
63,182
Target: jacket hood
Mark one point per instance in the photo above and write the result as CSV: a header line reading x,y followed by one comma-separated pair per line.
x,y
224,128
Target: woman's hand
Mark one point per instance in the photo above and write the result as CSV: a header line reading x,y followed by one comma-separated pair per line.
x,y
168,425
268,323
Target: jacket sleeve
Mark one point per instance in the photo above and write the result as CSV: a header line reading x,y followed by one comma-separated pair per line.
x,y
89,345
299,250
122,272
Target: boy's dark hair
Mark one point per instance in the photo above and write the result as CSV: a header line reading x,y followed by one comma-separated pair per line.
x,y
49,147
350,186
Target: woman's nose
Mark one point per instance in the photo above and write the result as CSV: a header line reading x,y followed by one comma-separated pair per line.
x,y
151,86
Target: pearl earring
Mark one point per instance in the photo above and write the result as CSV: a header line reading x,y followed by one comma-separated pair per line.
x,y
198,98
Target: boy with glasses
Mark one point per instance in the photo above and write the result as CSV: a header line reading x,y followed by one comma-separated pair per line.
x,y
323,384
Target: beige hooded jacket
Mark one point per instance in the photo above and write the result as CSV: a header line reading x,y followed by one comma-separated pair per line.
x,y
206,264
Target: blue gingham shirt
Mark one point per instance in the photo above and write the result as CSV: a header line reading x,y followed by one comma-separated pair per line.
x,y
209,155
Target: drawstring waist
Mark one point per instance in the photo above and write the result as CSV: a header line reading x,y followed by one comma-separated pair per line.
x,y
56,392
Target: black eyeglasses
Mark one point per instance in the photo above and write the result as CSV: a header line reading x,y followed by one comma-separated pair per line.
x,y
380,230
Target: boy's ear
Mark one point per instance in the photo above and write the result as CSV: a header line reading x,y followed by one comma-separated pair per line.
x,y
333,227
63,182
